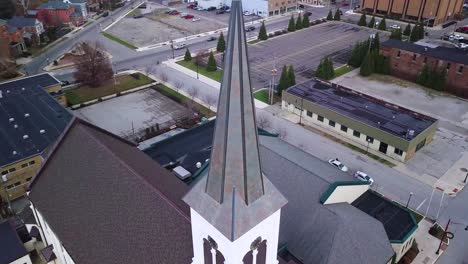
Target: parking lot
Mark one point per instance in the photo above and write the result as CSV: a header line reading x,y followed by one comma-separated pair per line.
x,y
132,113
156,26
303,49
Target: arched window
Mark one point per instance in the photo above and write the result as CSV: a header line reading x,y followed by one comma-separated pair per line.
x,y
208,245
257,249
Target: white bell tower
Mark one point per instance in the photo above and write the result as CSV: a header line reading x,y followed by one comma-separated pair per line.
x,y
235,209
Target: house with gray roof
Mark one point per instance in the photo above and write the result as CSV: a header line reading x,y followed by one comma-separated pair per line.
x,y
32,27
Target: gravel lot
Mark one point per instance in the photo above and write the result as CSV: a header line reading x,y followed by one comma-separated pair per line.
x,y
140,109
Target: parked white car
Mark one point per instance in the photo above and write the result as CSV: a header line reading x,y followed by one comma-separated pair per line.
x,y
180,46
458,37
338,164
395,27
362,176
195,19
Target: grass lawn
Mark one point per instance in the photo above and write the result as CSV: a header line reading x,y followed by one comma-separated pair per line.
x,y
125,82
181,99
216,75
254,41
134,12
262,96
120,41
343,70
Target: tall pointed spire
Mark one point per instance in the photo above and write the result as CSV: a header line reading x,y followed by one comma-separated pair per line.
x,y
235,161
235,197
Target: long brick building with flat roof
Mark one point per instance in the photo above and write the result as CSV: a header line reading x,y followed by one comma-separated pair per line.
x,y
434,11
408,60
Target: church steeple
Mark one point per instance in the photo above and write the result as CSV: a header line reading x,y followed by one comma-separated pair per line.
x,y
235,161
235,207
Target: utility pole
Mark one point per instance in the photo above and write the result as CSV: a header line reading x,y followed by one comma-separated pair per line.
x,y
409,199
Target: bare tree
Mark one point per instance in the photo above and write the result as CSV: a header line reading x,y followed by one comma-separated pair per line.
x,y
200,57
93,66
210,100
282,133
193,92
263,121
179,85
150,69
163,76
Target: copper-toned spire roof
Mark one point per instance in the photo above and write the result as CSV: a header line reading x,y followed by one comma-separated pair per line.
x,y
235,196
235,161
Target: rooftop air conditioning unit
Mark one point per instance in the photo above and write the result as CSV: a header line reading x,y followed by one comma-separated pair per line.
x,y
181,172
42,131
11,119
26,115
25,137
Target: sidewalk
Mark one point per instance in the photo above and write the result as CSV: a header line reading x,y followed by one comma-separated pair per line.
x,y
172,64
427,244
452,181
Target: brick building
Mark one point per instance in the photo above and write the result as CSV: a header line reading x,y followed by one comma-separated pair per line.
x,y
433,11
408,59
11,41
32,28
56,13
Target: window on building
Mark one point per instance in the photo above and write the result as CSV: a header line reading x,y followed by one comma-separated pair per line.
x,y
370,140
17,183
414,57
356,133
11,170
331,123
4,172
344,128
398,54
320,118
32,162
398,151
9,187
460,69
448,65
24,165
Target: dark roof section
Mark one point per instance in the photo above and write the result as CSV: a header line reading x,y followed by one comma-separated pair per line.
x,y
10,243
22,22
441,53
54,4
43,80
48,253
184,149
363,108
398,222
112,192
30,119
312,232
235,196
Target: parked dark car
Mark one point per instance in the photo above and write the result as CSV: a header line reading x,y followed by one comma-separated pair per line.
x,y
211,39
142,6
138,16
105,14
249,28
219,12
211,8
308,13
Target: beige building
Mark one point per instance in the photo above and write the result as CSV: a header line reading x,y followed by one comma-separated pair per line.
x,y
435,12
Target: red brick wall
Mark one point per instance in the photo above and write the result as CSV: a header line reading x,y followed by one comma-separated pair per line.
x,y
406,68
55,17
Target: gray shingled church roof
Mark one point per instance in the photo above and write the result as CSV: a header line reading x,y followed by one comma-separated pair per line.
x,y
108,202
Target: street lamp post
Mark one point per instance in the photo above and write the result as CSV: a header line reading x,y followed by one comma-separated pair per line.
x,y
197,69
368,142
172,48
409,199
274,72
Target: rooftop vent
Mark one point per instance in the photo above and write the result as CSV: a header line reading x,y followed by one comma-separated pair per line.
x,y
14,152
198,165
42,131
7,91
23,89
11,119
26,115
182,173
15,126
410,133
25,137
